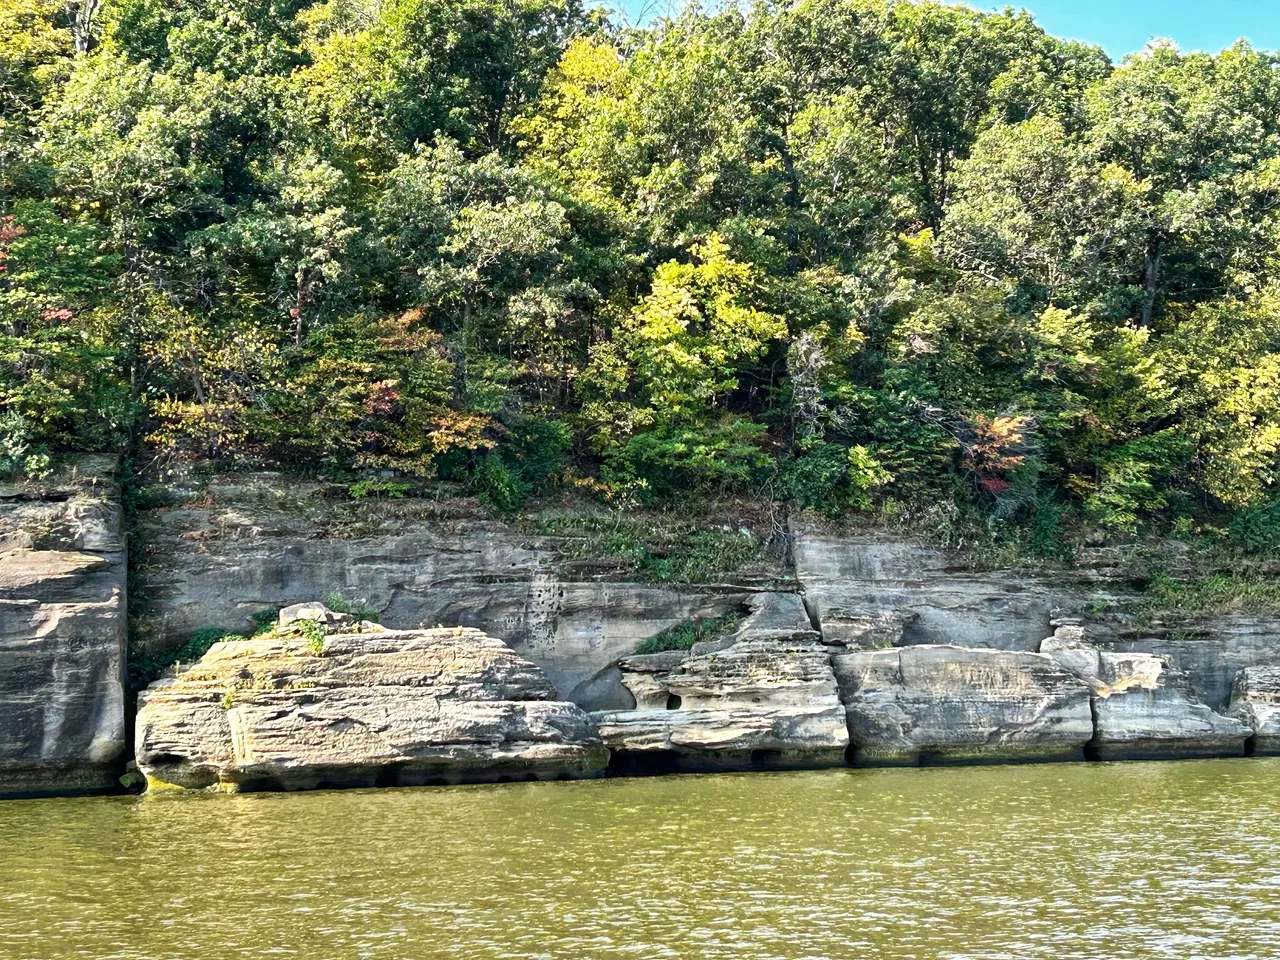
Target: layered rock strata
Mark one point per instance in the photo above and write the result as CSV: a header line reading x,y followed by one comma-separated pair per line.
x,y
380,707
219,553
62,632
761,703
1255,702
944,704
1142,707
871,592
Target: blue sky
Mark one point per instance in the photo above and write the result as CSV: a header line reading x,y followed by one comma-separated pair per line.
x,y
1123,26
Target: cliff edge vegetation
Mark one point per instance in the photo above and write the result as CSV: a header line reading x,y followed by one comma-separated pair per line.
x,y
860,256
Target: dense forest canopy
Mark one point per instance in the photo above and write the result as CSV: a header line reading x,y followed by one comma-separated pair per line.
x,y
839,253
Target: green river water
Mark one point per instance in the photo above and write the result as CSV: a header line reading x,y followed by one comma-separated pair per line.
x,y
1068,860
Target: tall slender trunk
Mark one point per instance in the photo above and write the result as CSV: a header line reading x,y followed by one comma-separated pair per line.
x,y
1151,277
298,305
81,15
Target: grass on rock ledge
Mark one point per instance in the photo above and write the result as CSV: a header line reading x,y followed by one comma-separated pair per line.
x,y
684,635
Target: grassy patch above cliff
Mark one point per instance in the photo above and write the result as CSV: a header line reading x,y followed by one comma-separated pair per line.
x,y
656,547
684,635
1218,593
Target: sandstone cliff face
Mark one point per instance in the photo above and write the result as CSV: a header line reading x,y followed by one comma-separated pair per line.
x,y
1143,708
759,703
1211,651
380,708
763,698
873,591
947,704
1255,702
62,632
248,543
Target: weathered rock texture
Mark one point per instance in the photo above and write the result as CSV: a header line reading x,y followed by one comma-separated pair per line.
x,y
378,708
1255,702
947,704
1146,709
1211,650
768,703
62,632
871,592
771,616
1142,707
239,545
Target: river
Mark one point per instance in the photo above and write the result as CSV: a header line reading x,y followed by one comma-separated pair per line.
x,y
1129,860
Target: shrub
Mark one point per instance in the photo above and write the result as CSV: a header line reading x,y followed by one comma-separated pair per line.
x,y
1257,529
360,609
498,485
817,478
147,668
313,633
684,635
674,461
393,489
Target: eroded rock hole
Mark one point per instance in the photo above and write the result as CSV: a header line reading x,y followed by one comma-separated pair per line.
x,y
673,702
766,758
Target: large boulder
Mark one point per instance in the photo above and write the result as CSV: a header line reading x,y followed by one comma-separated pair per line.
x,y
360,709
944,704
62,632
770,617
1255,702
764,703
1143,708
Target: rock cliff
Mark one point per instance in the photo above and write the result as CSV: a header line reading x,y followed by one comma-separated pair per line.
x,y
759,703
872,590
62,632
764,697
297,710
948,704
228,549
1255,702
1143,708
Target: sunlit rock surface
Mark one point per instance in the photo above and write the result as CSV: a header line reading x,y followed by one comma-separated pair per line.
x,y
62,632
215,555
947,704
360,709
766,703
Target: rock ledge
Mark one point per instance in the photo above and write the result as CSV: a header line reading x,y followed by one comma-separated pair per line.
x,y
395,707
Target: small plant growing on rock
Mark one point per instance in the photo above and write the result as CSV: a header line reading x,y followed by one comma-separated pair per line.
x,y
359,609
264,621
144,669
394,489
313,634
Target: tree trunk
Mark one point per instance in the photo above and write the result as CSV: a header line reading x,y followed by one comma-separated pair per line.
x,y
81,15
1151,278
299,303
